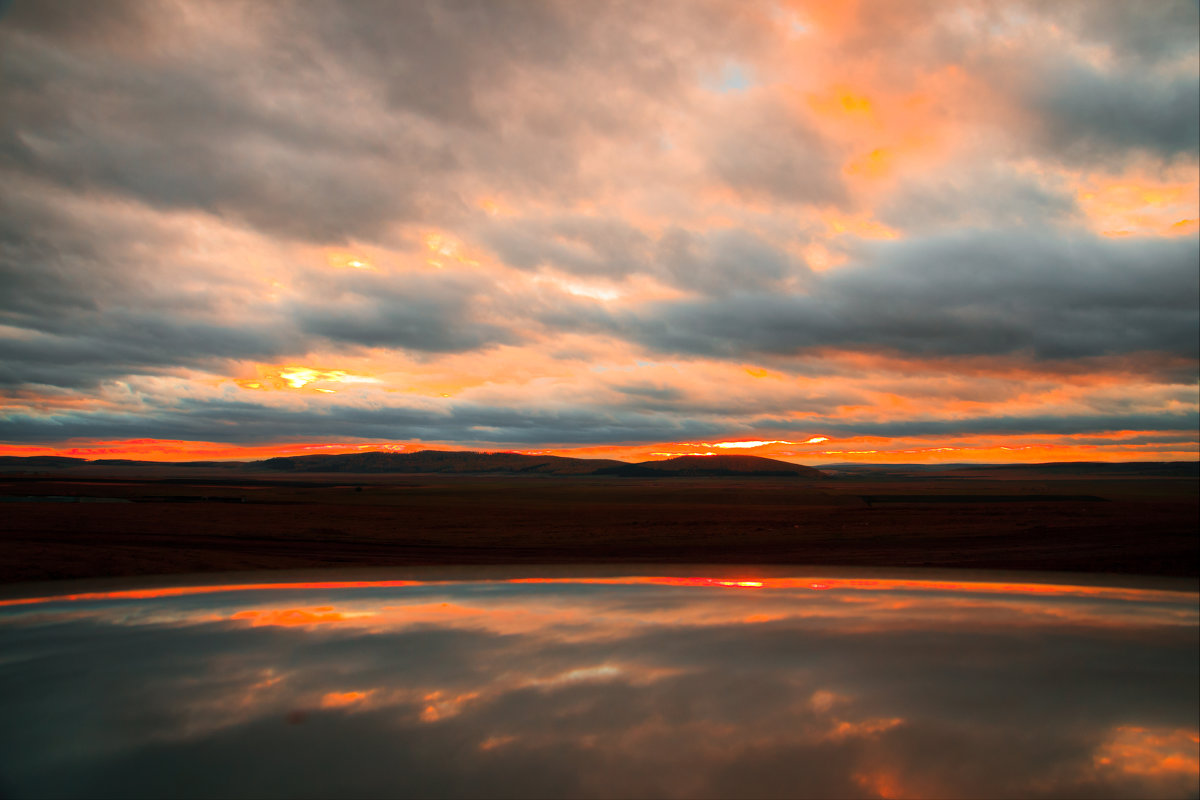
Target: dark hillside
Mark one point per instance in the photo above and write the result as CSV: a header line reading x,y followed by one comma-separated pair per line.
x,y
699,466
437,461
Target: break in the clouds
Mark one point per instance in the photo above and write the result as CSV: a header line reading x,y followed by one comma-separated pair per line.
x,y
603,226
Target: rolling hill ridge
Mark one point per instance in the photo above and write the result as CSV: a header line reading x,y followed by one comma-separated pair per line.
x,y
455,462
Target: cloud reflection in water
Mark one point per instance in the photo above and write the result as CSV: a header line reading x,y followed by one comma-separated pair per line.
x,y
607,687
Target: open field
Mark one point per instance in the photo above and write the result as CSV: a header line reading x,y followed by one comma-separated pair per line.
x,y
93,522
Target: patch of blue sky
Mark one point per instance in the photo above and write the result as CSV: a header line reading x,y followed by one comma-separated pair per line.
x,y
733,77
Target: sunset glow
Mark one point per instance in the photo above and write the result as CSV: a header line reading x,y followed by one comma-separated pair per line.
x,y
766,227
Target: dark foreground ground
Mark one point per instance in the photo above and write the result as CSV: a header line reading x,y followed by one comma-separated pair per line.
x,y
85,523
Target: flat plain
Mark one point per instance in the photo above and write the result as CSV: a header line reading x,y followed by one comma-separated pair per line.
x,y
109,521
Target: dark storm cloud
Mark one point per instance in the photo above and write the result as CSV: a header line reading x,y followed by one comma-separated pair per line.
x,y
978,293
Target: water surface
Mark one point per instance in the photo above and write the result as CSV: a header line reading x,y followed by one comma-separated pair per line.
x,y
684,686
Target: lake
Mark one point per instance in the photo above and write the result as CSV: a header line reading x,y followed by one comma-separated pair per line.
x,y
742,683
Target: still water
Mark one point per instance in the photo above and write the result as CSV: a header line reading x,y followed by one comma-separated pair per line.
x,y
736,686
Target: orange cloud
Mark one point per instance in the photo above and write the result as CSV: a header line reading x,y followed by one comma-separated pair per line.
x,y
1140,204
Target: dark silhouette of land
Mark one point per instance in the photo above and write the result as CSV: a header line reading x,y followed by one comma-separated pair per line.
x,y
69,518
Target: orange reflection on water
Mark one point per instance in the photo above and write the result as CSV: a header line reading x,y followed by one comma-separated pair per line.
x,y
343,699
183,591
287,617
881,784
1152,752
812,583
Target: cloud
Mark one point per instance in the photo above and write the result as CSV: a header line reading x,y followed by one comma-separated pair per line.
x,y
974,292
431,313
1159,33
557,199
324,124
1091,117
768,153
986,197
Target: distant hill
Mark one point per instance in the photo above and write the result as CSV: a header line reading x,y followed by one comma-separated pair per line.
x,y
438,461
706,466
26,462
452,462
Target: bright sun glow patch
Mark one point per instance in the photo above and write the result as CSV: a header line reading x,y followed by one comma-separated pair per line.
x,y
444,249
579,289
296,377
339,259
750,444
746,445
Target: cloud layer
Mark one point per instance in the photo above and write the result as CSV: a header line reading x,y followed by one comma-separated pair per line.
x,y
553,225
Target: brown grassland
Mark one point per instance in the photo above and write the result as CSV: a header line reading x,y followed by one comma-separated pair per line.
x,y
135,521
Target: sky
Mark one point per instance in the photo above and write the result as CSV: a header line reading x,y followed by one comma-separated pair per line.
x,y
824,232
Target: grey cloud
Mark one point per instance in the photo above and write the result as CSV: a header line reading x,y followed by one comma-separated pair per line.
x,y
459,96
1150,33
103,347
724,261
466,423
980,293
426,313
1089,116
117,23
480,426
94,291
767,153
666,395
1033,424
604,246
716,261
985,197
438,58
